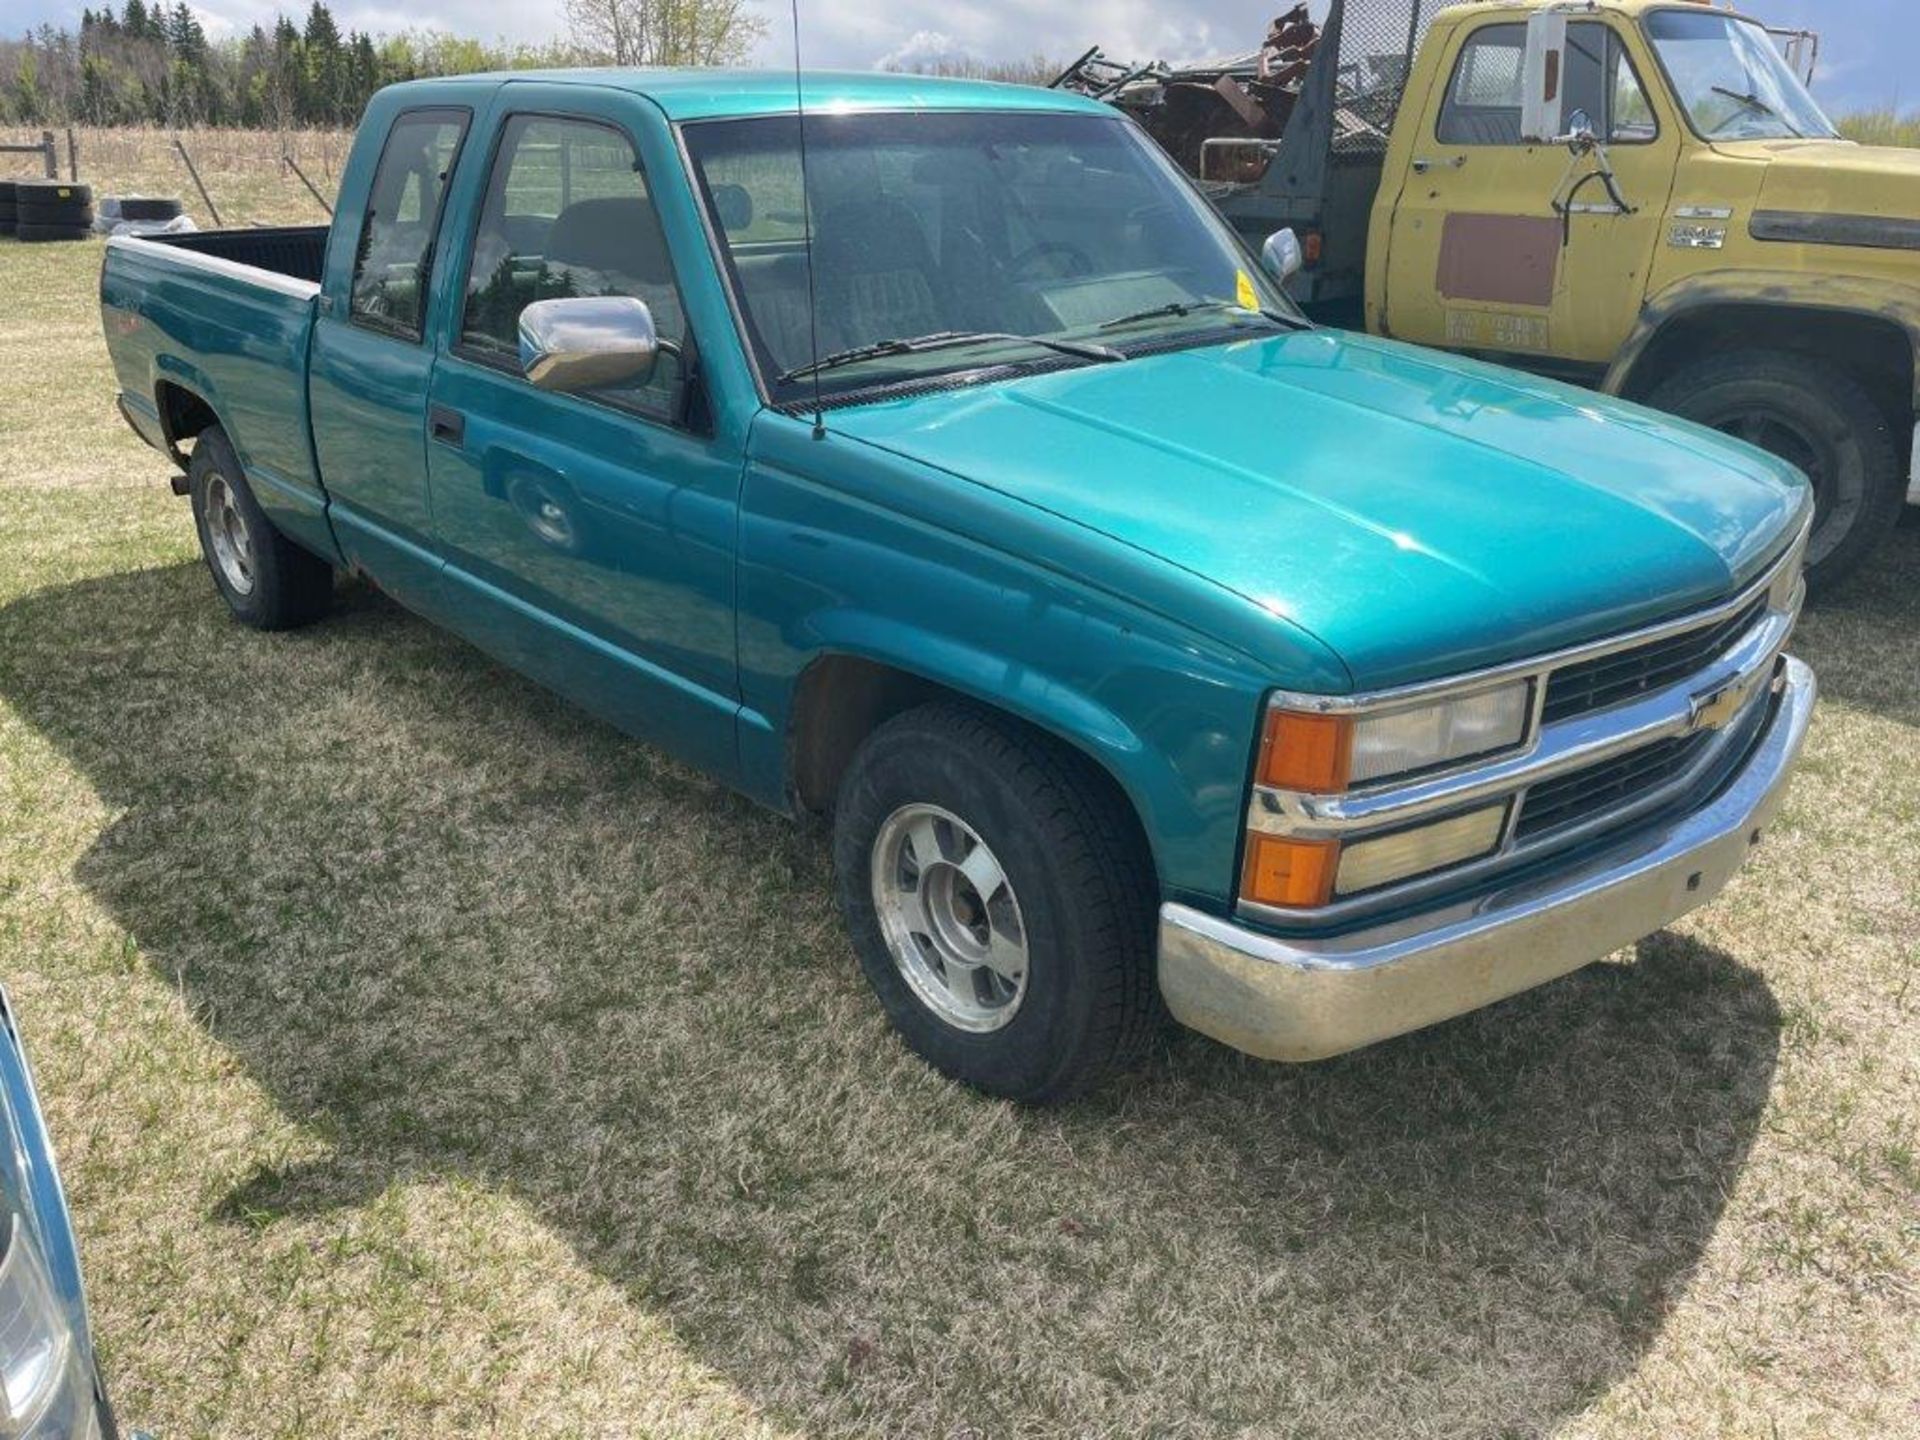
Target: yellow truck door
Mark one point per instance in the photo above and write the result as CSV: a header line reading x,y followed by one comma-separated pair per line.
x,y
1478,259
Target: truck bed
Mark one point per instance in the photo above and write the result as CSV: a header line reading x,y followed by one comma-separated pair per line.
x,y
296,251
217,322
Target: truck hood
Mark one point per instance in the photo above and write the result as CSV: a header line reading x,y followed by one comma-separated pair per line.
x,y
1835,177
1419,514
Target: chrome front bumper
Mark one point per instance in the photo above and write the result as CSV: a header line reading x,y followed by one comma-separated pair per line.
x,y
1307,998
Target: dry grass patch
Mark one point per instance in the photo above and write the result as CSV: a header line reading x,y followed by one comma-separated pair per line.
x,y
241,169
428,1059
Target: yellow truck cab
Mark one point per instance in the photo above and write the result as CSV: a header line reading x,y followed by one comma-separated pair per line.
x,y
1636,195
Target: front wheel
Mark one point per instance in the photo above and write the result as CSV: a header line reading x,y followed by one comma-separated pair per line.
x,y
1817,417
999,900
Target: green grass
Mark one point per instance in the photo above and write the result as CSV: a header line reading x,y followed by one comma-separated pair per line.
x,y
427,1059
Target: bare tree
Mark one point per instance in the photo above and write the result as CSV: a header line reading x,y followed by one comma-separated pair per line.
x,y
664,32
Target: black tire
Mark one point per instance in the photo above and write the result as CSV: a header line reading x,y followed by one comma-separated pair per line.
x,y
144,207
28,214
1083,885
52,192
1818,416
288,586
35,233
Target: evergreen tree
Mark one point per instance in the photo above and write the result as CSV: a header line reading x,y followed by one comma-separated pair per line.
x,y
152,62
325,75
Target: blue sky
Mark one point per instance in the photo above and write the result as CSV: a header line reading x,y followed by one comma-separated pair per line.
x,y
1867,57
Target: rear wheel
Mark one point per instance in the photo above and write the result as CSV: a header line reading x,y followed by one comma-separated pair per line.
x,y
1816,417
267,581
999,900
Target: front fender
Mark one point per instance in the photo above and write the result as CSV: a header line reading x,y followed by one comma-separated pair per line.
x,y
1168,713
1883,300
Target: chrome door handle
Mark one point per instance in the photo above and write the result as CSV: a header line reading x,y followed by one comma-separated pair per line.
x,y
1422,164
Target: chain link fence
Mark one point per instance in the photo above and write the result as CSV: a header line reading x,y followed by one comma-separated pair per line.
x,y
1378,40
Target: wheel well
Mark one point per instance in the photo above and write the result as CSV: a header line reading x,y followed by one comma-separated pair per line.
x,y
1877,352
183,414
841,699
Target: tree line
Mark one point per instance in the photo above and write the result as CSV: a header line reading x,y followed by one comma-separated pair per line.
x,y
151,63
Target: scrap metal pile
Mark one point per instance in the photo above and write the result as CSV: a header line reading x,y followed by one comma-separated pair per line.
x,y
1247,98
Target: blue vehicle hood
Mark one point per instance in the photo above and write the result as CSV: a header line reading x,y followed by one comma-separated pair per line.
x,y
1418,513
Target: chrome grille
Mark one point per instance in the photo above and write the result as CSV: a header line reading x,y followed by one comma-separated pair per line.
x,y
1590,685
1569,799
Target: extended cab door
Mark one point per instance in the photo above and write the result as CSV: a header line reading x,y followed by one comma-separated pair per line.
x,y
1478,258
588,538
370,356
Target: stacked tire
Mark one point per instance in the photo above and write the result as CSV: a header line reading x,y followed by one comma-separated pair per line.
x,y
148,207
9,213
52,210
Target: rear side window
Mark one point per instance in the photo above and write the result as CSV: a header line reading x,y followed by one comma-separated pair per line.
x,y
1483,100
394,258
568,212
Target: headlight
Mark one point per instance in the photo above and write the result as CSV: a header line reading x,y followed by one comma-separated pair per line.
x,y
1367,864
1303,874
1327,753
43,1390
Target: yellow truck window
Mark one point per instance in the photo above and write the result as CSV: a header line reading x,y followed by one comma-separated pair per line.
x,y
1482,105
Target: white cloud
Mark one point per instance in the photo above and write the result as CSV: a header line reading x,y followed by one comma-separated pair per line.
x,y
217,26
923,47
860,35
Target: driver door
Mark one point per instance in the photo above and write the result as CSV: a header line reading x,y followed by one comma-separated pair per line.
x,y
1478,257
588,537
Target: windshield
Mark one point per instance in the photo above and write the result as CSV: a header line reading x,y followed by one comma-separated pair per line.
x,y
1734,83
997,225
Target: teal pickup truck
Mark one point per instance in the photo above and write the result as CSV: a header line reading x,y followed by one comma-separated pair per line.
x,y
958,474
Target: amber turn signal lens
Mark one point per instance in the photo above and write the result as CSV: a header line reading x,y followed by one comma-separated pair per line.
x,y
1312,753
1296,873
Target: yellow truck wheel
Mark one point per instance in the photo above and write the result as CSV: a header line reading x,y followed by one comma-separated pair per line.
x,y
1819,418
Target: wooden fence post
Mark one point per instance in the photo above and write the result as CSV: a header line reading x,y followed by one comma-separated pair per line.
x,y
50,155
212,209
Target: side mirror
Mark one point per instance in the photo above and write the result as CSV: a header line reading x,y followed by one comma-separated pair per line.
x,y
1281,256
1541,73
586,342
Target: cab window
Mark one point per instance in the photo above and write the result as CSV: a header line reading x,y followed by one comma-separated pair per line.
x,y
568,212
1482,105
392,261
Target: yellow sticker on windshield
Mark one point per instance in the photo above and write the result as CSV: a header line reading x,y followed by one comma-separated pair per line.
x,y
1243,293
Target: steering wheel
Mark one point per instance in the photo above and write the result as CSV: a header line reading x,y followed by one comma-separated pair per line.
x,y
1077,261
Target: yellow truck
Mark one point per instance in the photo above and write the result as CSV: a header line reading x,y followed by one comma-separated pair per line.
x,y
1636,195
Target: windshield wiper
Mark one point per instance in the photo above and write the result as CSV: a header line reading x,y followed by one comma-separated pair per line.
x,y
1184,308
940,340
1754,102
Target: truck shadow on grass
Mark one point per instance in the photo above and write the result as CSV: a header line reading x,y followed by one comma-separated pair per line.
x,y
457,929
1864,639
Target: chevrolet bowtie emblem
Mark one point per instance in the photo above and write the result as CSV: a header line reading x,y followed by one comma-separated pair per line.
x,y
1714,709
